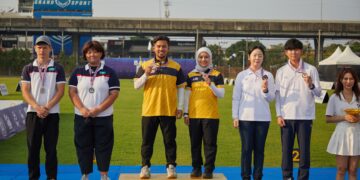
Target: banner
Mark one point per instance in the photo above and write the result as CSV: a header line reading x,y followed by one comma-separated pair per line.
x,y
62,8
62,5
12,120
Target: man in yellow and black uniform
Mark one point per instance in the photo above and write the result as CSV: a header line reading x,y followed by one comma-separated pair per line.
x,y
163,82
204,87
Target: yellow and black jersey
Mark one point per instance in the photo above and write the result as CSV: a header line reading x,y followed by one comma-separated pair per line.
x,y
203,102
160,89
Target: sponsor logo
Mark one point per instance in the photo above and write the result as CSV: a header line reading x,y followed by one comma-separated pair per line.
x,y
63,4
51,69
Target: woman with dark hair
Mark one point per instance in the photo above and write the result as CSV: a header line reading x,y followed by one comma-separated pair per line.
x,y
345,140
254,89
93,89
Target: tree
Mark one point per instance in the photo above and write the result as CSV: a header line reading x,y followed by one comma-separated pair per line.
x,y
12,62
217,55
330,49
274,57
355,46
68,62
236,50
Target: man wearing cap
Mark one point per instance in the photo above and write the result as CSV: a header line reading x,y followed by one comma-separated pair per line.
x,y
43,83
297,84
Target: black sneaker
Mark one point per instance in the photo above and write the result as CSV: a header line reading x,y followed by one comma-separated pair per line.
x,y
196,173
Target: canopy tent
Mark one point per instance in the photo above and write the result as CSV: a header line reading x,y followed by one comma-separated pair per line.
x,y
330,59
329,68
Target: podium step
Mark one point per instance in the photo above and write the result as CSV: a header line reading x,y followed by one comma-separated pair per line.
x,y
181,176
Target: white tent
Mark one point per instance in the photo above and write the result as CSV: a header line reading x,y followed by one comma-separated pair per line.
x,y
348,57
331,58
329,68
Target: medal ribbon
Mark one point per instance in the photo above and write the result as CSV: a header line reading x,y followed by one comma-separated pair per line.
x,y
301,69
93,75
42,72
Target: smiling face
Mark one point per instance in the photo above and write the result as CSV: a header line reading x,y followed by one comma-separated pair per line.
x,y
93,57
348,81
256,58
161,49
204,59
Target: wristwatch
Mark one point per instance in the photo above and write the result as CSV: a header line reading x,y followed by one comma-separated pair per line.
x,y
312,86
186,114
266,90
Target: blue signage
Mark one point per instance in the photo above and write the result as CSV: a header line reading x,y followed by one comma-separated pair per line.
x,y
63,5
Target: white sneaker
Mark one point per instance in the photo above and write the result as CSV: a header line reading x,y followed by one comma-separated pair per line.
x,y
84,177
171,172
145,172
104,177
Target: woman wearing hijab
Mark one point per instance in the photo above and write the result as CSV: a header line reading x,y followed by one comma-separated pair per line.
x,y
345,140
254,89
93,89
204,87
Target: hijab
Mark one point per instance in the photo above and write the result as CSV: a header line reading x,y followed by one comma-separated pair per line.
x,y
199,68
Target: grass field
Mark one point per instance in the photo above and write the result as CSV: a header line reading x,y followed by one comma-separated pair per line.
x,y
127,125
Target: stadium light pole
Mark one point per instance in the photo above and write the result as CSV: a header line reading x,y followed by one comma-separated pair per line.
x,y
243,59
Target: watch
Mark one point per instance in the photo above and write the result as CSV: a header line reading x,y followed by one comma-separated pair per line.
x,y
186,114
312,86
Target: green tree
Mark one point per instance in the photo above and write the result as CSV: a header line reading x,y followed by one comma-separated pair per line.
x,y
239,49
13,61
330,49
68,62
217,55
355,46
274,57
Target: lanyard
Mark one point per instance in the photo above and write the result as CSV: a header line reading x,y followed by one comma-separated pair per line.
x,y
262,75
160,63
93,74
42,72
301,69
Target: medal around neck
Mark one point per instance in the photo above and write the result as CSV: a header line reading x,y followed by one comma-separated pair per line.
x,y
42,90
91,90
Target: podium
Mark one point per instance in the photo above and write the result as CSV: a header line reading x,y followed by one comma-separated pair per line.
x,y
155,176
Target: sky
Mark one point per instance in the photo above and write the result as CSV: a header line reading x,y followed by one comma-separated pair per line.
x,y
338,10
232,9
327,10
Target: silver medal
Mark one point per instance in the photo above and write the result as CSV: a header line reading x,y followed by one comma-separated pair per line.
x,y
91,90
42,90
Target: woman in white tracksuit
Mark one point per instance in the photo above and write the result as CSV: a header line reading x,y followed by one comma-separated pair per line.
x,y
254,89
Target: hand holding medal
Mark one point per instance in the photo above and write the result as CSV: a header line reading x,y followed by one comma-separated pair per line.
x,y
307,79
264,85
148,70
154,67
206,78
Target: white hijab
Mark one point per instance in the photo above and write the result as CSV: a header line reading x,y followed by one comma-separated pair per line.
x,y
199,68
